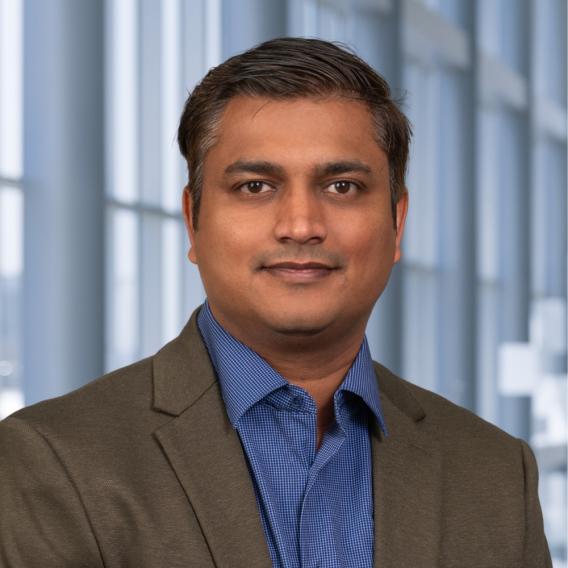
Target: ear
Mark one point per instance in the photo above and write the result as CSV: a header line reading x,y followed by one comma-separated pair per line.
x,y
401,211
187,208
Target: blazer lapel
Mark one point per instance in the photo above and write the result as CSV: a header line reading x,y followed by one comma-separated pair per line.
x,y
407,482
206,454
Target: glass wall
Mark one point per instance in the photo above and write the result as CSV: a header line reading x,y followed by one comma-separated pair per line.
x,y
11,205
476,311
156,51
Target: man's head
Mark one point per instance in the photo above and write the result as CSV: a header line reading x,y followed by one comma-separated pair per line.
x,y
297,157
284,69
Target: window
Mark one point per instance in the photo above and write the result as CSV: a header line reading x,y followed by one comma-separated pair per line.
x,y
156,52
11,206
484,263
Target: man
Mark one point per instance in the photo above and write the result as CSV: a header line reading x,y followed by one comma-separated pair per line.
x,y
264,434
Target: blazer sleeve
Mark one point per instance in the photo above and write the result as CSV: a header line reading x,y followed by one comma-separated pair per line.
x,y
536,552
43,522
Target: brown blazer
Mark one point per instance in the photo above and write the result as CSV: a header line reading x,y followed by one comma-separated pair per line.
x,y
142,469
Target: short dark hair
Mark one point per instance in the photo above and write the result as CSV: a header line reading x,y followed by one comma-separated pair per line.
x,y
287,68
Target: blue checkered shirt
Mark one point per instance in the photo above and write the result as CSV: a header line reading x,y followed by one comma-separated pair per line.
x,y
316,506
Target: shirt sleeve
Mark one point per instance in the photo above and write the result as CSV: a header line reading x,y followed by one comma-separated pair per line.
x,y
536,552
43,522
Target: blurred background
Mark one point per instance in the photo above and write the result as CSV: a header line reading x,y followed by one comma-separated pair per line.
x,y
93,267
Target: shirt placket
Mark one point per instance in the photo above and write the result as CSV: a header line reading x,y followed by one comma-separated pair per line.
x,y
317,542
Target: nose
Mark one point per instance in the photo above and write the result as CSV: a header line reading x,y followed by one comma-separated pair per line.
x,y
300,217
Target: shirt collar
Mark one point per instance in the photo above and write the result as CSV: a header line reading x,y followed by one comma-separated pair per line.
x,y
362,381
246,378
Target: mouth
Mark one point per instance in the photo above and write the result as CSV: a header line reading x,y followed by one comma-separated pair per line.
x,y
300,272
299,266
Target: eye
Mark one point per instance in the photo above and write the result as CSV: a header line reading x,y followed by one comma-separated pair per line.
x,y
343,187
254,187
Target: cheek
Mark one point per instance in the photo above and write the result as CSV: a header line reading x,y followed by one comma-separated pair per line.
x,y
225,246
372,245
371,258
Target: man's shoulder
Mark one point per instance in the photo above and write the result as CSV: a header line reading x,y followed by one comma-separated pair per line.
x,y
116,395
132,401
451,423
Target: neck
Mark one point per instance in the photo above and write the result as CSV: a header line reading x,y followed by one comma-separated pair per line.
x,y
320,381
319,374
317,363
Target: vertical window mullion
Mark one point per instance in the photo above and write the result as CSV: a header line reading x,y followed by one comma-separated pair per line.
x,y
11,206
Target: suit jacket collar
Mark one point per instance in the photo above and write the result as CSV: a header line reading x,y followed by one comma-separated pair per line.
x,y
205,452
182,371
407,481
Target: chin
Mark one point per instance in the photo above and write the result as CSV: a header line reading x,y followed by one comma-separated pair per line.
x,y
299,325
297,331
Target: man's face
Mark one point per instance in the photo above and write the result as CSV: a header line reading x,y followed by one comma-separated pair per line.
x,y
295,233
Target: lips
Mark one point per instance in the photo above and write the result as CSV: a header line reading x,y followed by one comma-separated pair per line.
x,y
299,272
300,266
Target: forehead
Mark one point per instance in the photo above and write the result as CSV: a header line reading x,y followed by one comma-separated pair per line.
x,y
309,127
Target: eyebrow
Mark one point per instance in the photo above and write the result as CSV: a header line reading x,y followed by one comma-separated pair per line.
x,y
268,168
255,167
342,167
